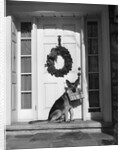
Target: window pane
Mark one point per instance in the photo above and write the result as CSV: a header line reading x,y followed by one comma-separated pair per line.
x,y
93,98
94,81
26,65
25,82
26,101
92,29
25,47
92,46
26,29
93,63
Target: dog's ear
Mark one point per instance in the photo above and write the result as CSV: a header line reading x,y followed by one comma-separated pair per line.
x,y
77,82
68,83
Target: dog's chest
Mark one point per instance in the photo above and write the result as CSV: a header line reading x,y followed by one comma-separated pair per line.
x,y
66,102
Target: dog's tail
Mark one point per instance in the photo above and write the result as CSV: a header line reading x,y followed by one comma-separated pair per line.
x,y
37,121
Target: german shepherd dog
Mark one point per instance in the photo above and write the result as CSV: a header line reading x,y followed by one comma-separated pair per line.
x,y
63,105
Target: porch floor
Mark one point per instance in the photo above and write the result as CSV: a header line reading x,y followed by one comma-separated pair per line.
x,y
50,135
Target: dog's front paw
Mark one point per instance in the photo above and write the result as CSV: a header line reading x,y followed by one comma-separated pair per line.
x,y
72,120
68,121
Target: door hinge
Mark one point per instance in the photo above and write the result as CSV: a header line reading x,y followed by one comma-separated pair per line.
x,y
35,108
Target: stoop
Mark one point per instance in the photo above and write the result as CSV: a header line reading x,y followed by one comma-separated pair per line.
x,y
77,125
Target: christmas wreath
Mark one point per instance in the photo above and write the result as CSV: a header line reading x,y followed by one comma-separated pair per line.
x,y
52,58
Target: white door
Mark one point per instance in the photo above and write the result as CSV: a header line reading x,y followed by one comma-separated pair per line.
x,y
50,87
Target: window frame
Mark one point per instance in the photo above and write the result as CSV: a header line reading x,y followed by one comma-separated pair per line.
x,y
20,59
98,20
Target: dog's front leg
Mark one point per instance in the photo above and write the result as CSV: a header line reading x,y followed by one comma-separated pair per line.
x,y
71,113
66,116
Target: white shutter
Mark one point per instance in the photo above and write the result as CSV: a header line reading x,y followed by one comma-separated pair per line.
x,y
13,70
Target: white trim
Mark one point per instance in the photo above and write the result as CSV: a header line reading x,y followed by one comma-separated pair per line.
x,y
75,2
34,67
8,70
39,53
13,72
83,64
18,70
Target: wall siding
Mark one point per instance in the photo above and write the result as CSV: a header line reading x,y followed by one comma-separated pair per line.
x,y
113,15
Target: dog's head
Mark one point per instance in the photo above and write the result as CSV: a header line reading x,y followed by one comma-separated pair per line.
x,y
72,86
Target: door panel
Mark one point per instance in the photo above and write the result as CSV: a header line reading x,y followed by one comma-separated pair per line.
x,y
50,87
50,96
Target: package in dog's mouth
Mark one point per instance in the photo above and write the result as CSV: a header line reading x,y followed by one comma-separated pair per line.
x,y
75,95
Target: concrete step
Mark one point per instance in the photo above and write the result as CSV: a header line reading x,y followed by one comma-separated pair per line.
x,y
56,139
51,135
63,126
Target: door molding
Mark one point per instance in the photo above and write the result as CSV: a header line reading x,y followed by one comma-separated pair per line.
x,y
34,68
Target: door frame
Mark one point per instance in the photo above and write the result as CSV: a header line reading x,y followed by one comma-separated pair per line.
x,y
106,95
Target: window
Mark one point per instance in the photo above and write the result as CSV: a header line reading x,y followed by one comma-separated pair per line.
x,y
26,71
93,65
